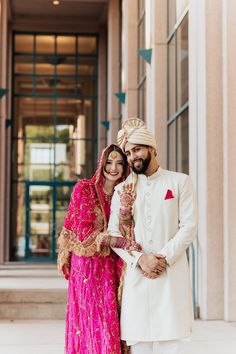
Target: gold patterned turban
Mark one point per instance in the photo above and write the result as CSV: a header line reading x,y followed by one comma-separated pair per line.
x,y
135,131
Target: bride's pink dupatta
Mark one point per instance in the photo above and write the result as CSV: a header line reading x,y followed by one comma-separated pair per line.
x,y
92,324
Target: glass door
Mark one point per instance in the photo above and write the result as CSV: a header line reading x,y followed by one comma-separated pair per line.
x,y
54,135
39,222
46,206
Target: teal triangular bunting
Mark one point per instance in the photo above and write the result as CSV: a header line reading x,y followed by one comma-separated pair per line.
x,y
121,96
146,54
106,124
2,92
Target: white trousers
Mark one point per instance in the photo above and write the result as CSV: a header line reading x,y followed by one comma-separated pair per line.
x,y
163,347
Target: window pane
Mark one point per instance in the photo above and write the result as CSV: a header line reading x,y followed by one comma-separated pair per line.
x,y
32,111
171,78
24,43
24,85
171,15
87,45
141,45
142,101
18,210
23,64
45,44
182,63
183,143
66,44
66,66
87,66
172,146
63,197
40,221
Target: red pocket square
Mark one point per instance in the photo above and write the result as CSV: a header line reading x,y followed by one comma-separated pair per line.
x,y
169,194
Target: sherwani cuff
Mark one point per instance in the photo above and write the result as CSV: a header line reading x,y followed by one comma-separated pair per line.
x,y
130,260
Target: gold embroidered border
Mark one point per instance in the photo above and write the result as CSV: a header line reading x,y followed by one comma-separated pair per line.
x,y
69,242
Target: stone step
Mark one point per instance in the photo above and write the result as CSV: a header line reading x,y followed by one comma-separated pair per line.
x,y
30,304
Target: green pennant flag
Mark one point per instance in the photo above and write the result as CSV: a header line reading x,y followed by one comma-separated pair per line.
x,y
121,96
106,124
146,54
2,92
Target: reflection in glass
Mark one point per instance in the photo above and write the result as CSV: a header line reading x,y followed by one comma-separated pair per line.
x,y
39,161
53,136
172,146
40,221
63,197
87,45
142,101
24,85
60,218
24,43
182,63
23,64
66,44
171,15
18,208
45,44
171,77
141,45
87,65
182,143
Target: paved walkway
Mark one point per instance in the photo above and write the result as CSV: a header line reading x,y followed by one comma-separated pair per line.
x,y
46,337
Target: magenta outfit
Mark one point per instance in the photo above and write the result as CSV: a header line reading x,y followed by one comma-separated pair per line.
x,y
92,323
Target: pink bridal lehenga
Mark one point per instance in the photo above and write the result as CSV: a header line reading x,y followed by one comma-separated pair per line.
x,y
92,324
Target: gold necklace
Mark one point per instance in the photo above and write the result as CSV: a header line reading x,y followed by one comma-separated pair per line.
x,y
107,196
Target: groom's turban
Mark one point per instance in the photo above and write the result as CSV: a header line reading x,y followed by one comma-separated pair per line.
x,y
135,131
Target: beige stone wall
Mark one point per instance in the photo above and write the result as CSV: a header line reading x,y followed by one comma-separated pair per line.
x,y
212,152
229,157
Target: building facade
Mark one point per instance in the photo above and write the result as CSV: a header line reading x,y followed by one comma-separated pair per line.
x,y
60,70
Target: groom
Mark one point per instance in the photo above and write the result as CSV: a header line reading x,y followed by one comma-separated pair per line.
x,y
156,309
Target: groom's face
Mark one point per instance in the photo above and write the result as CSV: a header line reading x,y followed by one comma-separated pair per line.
x,y
138,156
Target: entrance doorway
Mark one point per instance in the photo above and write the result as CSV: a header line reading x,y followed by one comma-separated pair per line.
x,y
54,135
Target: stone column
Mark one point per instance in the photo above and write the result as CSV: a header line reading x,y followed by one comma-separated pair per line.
x,y
129,58
229,165
113,68
206,141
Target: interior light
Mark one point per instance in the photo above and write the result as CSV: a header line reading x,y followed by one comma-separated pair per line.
x,y
56,2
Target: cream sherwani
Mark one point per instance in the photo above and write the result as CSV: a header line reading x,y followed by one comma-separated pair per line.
x,y
165,217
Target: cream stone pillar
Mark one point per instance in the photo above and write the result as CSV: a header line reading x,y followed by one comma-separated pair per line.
x,y
229,165
156,95
3,116
113,72
206,160
129,58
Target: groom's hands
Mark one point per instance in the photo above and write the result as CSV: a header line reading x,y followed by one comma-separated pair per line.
x,y
152,266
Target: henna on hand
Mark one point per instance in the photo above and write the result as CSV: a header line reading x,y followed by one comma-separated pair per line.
x,y
127,197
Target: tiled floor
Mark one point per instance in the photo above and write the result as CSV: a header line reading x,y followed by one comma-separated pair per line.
x,y
47,337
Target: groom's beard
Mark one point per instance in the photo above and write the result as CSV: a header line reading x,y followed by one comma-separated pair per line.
x,y
141,165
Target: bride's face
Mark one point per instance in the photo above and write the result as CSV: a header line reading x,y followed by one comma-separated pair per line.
x,y
114,166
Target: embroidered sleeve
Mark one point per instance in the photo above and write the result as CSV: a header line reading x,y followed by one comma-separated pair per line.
x,y
83,224
126,222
